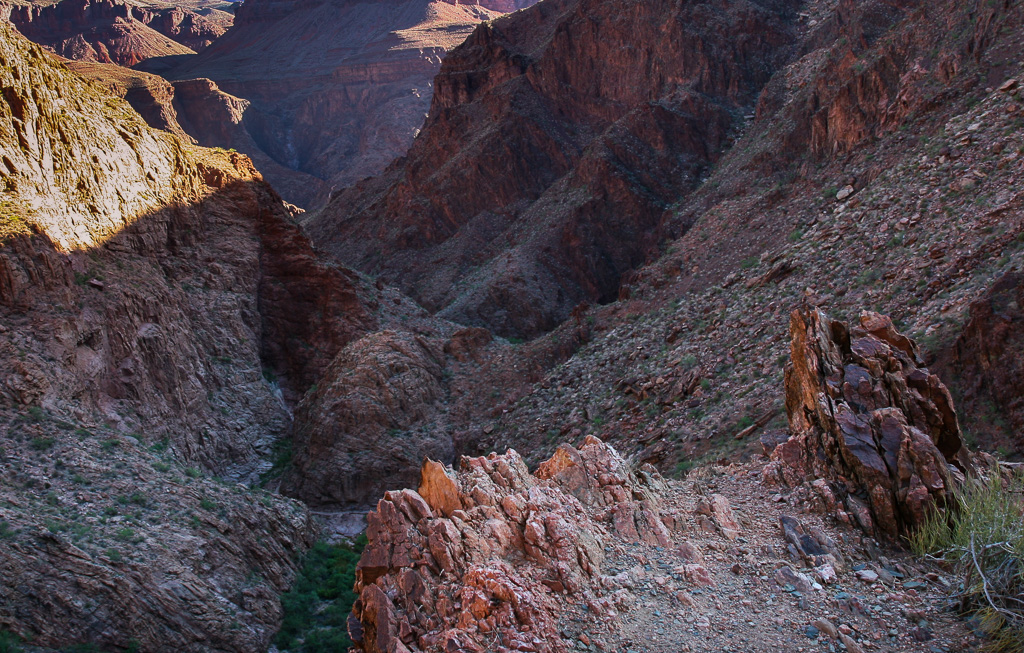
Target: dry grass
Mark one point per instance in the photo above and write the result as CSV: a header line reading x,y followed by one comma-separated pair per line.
x,y
984,540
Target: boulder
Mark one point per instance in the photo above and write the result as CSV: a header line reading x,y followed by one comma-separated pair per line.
x,y
867,415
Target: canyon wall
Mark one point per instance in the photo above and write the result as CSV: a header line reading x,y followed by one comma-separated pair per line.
x,y
552,152
338,88
114,31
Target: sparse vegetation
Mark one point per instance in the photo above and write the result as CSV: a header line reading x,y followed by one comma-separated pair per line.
x,y
316,609
984,540
9,642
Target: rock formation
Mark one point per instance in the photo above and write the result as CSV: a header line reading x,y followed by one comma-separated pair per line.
x,y
115,31
150,95
134,275
485,558
552,152
867,418
338,88
986,365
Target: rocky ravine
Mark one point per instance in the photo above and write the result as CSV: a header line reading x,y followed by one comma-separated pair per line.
x,y
165,327
556,140
335,89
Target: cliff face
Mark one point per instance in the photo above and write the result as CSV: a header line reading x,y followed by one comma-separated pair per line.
x,y
337,88
148,291
552,152
114,31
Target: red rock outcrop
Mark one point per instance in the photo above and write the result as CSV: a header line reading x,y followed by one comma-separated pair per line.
x,y
114,31
986,365
338,88
557,139
484,559
866,417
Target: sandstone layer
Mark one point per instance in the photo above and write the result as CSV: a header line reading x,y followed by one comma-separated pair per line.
x,y
337,88
551,153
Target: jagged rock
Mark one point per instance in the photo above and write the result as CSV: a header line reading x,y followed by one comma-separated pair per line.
x,y
866,414
480,559
718,509
814,547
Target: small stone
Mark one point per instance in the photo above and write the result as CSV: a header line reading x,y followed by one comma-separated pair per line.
x,y
867,575
851,645
844,192
826,626
811,632
1008,86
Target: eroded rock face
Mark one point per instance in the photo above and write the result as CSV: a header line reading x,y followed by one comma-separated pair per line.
x,y
114,31
350,436
478,559
132,314
868,417
556,140
986,364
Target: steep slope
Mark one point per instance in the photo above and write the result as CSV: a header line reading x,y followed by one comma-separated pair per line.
x,y
557,139
130,336
150,95
882,172
914,216
115,31
339,87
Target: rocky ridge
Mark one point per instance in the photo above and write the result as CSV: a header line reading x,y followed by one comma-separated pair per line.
x,y
115,31
588,553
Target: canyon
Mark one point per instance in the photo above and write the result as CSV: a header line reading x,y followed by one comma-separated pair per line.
x,y
343,105
668,328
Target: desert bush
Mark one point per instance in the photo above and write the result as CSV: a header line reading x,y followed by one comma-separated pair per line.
x,y
317,606
983,538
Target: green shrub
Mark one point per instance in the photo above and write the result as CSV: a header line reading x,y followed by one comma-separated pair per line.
x,y
983,538
317,606
9,642
42,444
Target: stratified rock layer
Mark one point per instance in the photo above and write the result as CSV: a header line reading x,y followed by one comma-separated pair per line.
x,y
865,415
483,559
114,31
140,280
